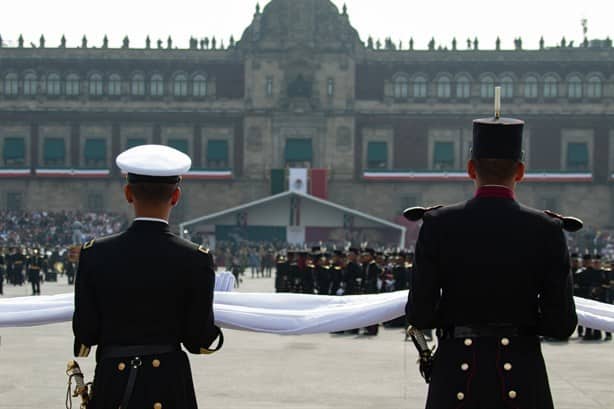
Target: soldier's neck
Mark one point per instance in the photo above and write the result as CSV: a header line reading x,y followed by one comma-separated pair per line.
x,y
153,212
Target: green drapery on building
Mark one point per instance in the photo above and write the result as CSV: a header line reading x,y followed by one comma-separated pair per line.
x,y
14,149
577,155
443,154
132,142
298,150
278,181
180,145
377,154
95,150
54,149
217,150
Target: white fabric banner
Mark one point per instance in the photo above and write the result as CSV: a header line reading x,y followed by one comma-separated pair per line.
x,y
297,180
277,313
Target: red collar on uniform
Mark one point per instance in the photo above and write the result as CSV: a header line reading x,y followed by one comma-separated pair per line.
x,y
495,191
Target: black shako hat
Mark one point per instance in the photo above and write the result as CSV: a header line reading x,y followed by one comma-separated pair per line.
x,y
496,137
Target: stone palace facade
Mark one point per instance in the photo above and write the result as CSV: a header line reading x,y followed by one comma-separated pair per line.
x,y
391,125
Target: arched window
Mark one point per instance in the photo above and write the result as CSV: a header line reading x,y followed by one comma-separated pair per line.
x,y
137,85
574,87
420,87
199,86
594,89
115,85
530,87
53,84
551,87
401,87
30,84
95,85
507,87
157,85
443,87
180,85
72,85
11,86
463,87
487,87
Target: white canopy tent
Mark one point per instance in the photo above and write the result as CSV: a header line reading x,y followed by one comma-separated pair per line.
x,y
297,218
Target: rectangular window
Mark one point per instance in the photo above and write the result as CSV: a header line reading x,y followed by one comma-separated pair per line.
x,y
577,156
95,153
217,154
54,152
95,202
298,152
443,155
14,152
330,87
14,201
269,87
180,145
132,142
377,155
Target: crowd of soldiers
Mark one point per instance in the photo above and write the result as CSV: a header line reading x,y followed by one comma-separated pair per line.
x,y
34,265
352,272
592,280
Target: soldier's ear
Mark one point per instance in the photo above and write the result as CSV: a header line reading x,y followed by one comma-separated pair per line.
x,y
128,194
176,196
520,172
471,170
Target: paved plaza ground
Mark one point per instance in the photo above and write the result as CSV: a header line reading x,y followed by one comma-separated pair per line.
x,y
260,371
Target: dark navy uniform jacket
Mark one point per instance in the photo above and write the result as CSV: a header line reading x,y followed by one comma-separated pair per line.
x,y
145,286
491,261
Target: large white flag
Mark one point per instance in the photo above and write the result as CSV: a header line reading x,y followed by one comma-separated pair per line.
x,y
278,313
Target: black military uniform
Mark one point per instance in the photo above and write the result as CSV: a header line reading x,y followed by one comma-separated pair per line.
x,y
282,282
401,275
322,274
17,264
371,272
308,273
353,274
2,272
35,266
609,274
489,305
139,295
591,284
338,283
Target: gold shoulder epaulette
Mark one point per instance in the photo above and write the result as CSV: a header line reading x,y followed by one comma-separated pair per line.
x,y
88,244
203,250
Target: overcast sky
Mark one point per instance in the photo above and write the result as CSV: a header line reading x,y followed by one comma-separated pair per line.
x,y
399,19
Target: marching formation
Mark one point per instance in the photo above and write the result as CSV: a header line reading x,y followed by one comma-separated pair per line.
x,y
594,281
35,265
351,272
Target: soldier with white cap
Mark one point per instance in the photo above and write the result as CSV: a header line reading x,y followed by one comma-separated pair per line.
x,y
142,293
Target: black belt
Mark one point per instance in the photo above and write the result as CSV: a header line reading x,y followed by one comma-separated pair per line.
x,y
135,352
484,331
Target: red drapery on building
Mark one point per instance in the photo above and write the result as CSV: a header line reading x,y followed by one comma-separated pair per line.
x,y
319,183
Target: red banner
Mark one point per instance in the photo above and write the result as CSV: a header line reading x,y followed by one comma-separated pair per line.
x,y
319,183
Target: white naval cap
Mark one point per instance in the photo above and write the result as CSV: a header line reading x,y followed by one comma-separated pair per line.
x,y
153,164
